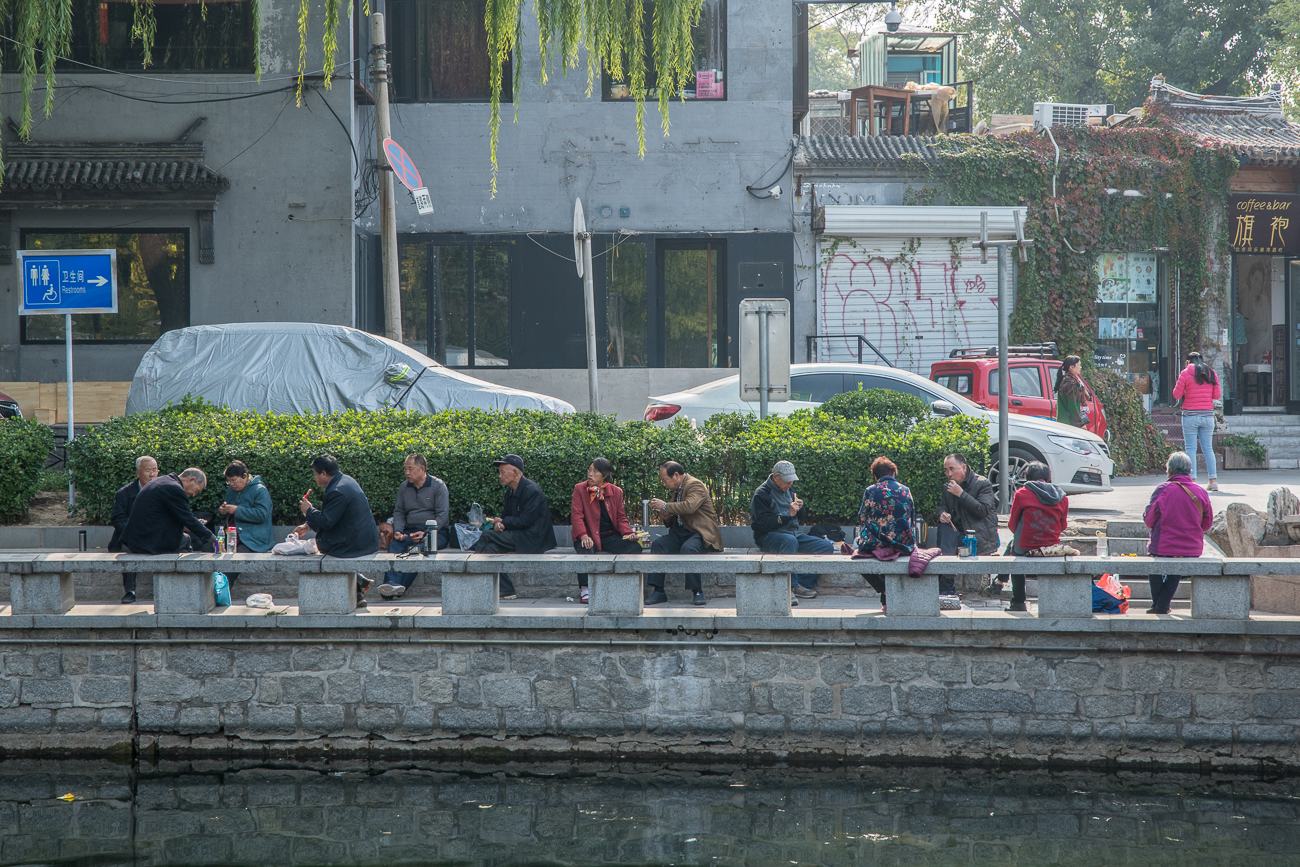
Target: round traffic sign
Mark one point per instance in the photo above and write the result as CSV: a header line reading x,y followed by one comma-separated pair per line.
x,y
402,164
579,229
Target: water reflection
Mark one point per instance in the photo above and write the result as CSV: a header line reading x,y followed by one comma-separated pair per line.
x,y
217,814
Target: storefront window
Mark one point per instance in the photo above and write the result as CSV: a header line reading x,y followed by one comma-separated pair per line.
x,y
709,36
625,305
690,280
452,291
1129,289
153,287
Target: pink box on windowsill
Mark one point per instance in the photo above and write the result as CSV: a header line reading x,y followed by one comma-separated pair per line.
x,y
707,86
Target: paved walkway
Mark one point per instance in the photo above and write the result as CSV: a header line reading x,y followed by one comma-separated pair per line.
x,y
1132,493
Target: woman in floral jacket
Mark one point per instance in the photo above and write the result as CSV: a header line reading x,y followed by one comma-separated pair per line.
x,y
886,519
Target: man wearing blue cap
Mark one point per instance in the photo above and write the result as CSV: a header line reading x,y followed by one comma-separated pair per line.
x,y
525,524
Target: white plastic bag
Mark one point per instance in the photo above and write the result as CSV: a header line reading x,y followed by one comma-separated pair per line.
x,y
259,600
467,535
293,546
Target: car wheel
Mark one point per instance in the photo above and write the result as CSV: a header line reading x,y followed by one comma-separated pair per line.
x,y
1019,459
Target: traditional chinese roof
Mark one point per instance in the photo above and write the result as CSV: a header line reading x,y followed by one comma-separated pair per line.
x,y
839,151
67,173
1253,127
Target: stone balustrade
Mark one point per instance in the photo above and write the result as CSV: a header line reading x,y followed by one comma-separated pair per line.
x,y
43,584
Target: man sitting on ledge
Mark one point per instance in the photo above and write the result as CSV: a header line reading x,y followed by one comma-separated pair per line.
x,y
344,524
692,528
525,524
161,513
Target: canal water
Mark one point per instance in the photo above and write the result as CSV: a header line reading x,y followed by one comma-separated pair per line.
x,y
218,814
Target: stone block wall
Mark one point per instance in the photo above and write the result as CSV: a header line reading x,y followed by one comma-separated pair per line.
x,y
1168,700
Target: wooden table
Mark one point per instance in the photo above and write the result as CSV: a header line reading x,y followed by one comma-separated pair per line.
x,y
873,93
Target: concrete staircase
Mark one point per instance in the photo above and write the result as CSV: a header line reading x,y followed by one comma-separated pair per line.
x,y
1130,537
1279,432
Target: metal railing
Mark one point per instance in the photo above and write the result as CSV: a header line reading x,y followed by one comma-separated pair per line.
x,y
862,341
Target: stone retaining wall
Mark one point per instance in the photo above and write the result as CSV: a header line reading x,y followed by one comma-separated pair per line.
x,y
1167,699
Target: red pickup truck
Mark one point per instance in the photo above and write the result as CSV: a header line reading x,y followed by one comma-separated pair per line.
x,y
973,373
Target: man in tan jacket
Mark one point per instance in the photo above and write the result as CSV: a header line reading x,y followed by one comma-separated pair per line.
x,y
692,527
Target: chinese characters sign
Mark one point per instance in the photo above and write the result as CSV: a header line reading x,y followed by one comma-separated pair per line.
x,y
1266,223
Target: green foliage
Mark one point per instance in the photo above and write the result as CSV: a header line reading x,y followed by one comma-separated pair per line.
x,y
1106,51
894,408
733,454
1248,444
24,446
1136,446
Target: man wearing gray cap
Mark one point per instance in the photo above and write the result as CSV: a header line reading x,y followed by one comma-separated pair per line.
x,y
774,514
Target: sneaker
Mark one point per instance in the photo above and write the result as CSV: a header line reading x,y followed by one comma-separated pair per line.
x,y
803,592
698,598
1017,606
388,591
128,598
949,602
1214,485
584,595
398,591
505,596
658,597
364,584
361,601
882,608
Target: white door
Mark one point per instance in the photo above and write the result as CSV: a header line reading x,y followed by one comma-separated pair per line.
x,y
915,305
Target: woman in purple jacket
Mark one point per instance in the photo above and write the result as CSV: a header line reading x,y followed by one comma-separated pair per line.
x,y
1178,515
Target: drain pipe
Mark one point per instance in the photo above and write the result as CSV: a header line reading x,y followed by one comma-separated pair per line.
x,y
1055,171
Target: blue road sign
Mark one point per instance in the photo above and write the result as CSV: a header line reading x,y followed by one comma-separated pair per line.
x,y
67,281
402,164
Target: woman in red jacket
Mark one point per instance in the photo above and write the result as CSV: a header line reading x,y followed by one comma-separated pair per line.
x,y
1039,512
1199,388
600,524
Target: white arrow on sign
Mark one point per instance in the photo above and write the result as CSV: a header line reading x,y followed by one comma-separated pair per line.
x,y
98,281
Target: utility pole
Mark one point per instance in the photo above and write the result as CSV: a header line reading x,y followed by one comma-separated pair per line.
x,y
387,202
1004,319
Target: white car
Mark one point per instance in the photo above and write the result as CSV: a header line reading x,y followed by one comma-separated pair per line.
x,y
1079,460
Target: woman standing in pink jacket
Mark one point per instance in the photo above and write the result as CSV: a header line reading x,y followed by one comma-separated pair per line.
x,y
1199,388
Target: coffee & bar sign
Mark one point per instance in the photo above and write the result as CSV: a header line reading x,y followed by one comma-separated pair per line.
x,y
1266,223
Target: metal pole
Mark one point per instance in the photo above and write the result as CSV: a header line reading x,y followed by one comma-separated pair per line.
x,y
387,201
67,332
763,377
589,300
1004,388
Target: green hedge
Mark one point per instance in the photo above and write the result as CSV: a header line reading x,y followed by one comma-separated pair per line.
x,y
733,454
24,447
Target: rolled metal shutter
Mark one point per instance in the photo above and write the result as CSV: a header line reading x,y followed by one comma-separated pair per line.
x,y
915,302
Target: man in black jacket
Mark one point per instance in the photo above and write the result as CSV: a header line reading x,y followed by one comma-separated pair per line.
x,y
344,524
146,470
968,504
774,513
525,524
161,514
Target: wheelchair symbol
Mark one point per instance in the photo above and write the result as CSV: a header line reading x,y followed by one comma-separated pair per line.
x,y
50,295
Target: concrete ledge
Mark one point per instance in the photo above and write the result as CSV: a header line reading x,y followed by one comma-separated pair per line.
x,y
471,593
1226,597
763,595
42,593
1064,596
1185,566
327,593
677,564
616,595
183,592
906,596
545,564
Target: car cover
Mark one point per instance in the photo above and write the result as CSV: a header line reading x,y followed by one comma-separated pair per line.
x,y
301,367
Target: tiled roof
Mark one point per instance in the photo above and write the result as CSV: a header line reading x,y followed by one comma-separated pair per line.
x,y
1262,139
831,151
108,169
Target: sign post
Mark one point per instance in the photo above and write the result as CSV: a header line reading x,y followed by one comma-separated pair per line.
x,y
64,282
764,351
582,256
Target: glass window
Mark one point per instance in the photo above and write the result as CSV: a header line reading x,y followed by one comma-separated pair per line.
x,y
450,291
625,305
1130,290
958,382
439,52
709,36
1025,382
816,387
870,380
188,36
153,287
691,306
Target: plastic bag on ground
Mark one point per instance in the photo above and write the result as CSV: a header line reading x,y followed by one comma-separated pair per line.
x,y
222,587
259,600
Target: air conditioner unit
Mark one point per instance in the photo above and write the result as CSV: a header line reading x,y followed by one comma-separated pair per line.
x,y
1068,114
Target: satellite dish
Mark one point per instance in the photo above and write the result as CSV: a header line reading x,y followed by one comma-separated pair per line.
x,y
579,229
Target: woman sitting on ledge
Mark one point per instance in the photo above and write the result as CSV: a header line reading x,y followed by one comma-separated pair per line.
x,y
886,518
1179,514
600,524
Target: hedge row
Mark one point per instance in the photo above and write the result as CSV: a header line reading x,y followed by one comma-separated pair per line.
x,y
24,447
732,454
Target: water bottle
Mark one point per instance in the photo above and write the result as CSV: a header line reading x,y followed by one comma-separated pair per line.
x,y
970,547
431,537
221,540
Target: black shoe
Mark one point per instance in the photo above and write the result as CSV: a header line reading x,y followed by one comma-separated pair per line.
x,y
361,601
658,597
698,599
128,598
364,584
1017,606
1157,611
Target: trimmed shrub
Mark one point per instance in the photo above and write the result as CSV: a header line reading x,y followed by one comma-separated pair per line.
x,y
732,454
895,407
25,445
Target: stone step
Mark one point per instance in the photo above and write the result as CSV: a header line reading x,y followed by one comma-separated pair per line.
x,y
1139,591
1261,420
1118,545
1127,529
